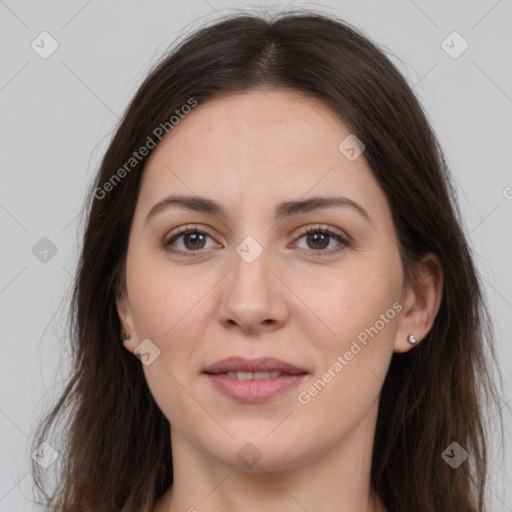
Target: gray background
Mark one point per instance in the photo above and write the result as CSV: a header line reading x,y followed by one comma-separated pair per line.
x,y
58,114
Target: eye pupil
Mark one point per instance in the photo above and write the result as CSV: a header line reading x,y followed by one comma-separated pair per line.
x,y
318,238
195,238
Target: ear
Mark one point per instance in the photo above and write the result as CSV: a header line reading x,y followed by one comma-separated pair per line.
x,y
421,302
124,312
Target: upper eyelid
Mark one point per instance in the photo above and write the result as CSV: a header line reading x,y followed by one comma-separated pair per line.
x,y
304,230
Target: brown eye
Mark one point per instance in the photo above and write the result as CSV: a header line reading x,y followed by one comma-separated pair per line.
x,y
318,241
193,240
187,242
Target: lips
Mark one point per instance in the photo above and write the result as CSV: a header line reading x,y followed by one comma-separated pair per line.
x,y
261,365
253,380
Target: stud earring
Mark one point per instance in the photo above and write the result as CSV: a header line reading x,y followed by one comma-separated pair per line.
x,y
125,337
412,339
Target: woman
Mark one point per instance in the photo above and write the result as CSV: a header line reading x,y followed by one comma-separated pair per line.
x,y
273,234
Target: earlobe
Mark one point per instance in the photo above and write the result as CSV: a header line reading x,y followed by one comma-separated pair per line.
x,y
127,342
128,335
422,302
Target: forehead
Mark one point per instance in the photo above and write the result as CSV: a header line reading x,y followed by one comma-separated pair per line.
x,y
256,125
258,147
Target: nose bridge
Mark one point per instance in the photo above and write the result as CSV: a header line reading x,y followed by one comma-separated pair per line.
x,y
251,296
251,273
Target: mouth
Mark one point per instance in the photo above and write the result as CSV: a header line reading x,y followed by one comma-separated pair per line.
x,y
255,380
262,365
252,375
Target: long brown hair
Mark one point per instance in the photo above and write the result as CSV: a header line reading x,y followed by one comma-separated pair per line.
x,y
116,452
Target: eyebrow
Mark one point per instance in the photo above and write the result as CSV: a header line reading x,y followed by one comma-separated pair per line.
x,y
286,208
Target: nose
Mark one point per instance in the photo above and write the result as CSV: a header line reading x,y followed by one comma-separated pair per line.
x,y
253,296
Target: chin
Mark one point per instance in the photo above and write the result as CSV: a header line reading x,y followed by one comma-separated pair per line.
x,y
257,453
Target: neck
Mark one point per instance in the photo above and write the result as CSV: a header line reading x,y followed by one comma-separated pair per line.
x,y
335,481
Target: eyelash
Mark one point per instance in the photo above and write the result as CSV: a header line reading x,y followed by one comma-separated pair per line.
x,y
317,229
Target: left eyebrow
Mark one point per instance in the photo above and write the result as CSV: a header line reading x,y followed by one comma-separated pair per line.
x,y
314,203
285,208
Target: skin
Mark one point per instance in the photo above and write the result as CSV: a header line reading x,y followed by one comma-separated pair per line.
x,y
249,152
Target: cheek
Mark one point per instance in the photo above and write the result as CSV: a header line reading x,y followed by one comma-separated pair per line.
x,y
363,314
361,307
352,301
166,306
163,298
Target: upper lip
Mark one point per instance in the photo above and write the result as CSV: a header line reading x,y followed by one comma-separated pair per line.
x,y
262,364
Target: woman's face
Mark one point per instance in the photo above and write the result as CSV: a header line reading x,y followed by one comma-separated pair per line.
x,y
248,282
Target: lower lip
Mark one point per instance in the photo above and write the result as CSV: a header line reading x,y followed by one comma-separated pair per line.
x,y
254,390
